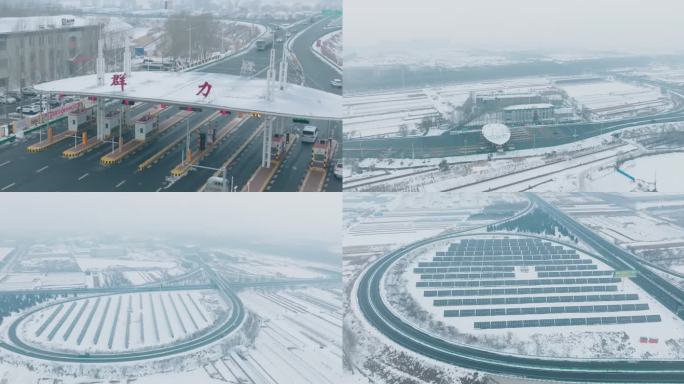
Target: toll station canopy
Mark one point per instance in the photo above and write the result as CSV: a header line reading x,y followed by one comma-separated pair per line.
x,y
225,92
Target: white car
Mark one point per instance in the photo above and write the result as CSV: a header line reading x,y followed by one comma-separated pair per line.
x,y
338,170
31,109
7,99
337,83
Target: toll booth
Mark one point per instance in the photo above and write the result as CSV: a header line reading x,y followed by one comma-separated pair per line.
x,y
144,126
77,118
321,153
277,146
202,141
111,121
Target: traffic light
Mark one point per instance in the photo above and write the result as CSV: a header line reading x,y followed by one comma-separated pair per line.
x,y
300,120
190,109
127,102
256,114
223,113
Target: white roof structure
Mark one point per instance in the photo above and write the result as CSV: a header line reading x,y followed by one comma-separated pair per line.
x,y
228,92
36,23
527,106
496,133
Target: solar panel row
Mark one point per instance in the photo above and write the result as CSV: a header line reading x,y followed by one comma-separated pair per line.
x,y
544,310
491,257
520,291
506,251
431,264
499,283
488,275
463,269
533,299
566,322
564,267
574,273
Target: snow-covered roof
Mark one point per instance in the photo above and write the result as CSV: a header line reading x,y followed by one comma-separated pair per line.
x,y
228,92
37,23
528,106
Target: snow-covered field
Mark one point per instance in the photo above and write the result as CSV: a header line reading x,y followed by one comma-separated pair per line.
x,y
4,252
250,264
665,170
613,99
124,322
300,339
586,165
381,114
13,281
98,263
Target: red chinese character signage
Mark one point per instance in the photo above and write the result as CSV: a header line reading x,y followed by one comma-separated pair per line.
x,y
119,80
204,89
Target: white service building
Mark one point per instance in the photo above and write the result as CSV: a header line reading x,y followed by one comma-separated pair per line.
x,y
528,113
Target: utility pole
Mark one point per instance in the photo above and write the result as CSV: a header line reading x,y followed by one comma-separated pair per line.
x,y
189,43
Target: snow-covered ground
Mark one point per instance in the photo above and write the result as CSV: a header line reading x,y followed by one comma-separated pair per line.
x,y
381,114
664,170
12,281
247,263
448,57
97,263
586,165
613,99
330,46
4,252
125,322
299,341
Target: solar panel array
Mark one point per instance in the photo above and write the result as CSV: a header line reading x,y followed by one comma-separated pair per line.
x,y
498,273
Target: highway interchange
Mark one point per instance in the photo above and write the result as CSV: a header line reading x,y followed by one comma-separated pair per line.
x,y
382,318
48,171
227,327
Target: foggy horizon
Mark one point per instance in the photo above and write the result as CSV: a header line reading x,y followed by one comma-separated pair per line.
x,y
244,220
579,26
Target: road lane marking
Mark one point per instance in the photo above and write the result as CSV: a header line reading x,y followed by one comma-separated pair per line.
x,y
120,184
8,187
5,163
42,169
83,176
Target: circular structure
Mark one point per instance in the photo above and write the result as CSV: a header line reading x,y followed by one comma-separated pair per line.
x,y
120,322
496,133
377,313
193,340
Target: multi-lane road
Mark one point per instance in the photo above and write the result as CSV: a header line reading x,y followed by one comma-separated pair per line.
x,y
382,318
48,171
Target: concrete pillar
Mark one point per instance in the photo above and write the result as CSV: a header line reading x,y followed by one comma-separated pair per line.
x,y
100,118
267,143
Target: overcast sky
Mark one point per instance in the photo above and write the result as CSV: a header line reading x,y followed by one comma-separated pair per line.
x,y
289,218
623,25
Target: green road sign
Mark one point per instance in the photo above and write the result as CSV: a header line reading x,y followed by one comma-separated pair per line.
x,y
621,274
300,120
332,12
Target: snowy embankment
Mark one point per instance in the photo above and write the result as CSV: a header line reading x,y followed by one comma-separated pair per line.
x,y
329,49
586,165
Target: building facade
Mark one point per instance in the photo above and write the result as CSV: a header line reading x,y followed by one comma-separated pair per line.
x,y
528,113
38,49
